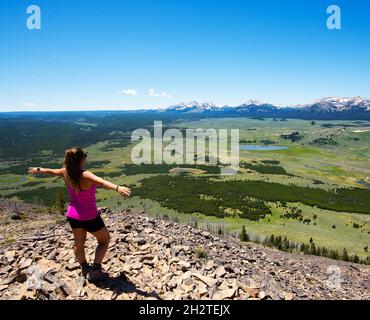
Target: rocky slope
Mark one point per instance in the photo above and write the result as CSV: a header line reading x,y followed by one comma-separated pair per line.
x,y
153,259
17,218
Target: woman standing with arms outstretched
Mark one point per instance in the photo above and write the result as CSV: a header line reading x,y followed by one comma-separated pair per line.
x,y
82,213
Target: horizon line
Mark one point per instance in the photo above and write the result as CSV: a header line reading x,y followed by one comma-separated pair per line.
x,y
120,109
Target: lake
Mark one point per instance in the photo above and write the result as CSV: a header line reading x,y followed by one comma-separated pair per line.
x,y
262,148
363,183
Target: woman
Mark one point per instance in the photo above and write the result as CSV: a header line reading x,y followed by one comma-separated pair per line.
x,y
82,213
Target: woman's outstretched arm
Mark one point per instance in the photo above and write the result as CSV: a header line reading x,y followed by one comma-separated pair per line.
x,y
124,191
54,172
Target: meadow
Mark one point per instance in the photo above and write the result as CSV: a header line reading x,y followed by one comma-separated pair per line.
x,y
316,188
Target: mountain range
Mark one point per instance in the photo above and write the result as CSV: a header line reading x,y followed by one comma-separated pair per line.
x,y
330,108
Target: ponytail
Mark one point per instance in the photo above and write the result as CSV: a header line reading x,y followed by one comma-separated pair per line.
x,y
72,164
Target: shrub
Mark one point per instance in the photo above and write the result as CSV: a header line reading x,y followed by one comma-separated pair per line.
x,y
201,253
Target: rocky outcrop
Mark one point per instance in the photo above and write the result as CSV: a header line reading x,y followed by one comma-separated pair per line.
x,y
154,259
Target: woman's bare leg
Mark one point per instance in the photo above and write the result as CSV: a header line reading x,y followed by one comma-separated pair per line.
x,y
103,238
79,244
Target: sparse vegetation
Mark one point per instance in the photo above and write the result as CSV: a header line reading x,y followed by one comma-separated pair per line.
x,y
293,137
243,235
201,253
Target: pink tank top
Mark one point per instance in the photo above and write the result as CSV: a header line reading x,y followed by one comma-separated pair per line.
x,y
83,204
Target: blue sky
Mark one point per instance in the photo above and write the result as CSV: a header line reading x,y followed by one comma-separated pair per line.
x,y
225,51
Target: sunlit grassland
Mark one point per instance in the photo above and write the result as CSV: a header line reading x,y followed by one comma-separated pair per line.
x,y
323,233
334,166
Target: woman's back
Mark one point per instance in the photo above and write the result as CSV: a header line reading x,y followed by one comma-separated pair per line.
x,y
82,203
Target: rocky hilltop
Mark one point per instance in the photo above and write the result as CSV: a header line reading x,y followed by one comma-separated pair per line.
x,y
155,259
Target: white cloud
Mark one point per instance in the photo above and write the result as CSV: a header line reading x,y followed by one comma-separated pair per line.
x,y
153,93
166,95
29,104
130,92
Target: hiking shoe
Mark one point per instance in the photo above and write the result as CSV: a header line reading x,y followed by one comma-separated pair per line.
x,y
96,274
85,268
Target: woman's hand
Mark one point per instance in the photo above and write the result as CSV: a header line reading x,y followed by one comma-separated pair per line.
x,y
124,191
33,170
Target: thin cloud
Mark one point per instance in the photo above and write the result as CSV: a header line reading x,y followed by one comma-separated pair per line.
x,y
130,92
29,104
153,93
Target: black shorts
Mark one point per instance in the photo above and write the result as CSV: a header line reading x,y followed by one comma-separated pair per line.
x,y
89,225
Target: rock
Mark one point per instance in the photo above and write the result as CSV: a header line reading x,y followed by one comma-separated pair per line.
x,y
139,241
10,255
51,279
72,267
288,296
202,289
16,216
64,289
136,265
42,294
21,277
184,265
210,265
9,280
224,294
251,283
229,269
48,287
3,287
25,263
152,259
219,272
252,292
6,269
210,282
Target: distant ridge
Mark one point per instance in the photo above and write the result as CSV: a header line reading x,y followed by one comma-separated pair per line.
x,y
330,108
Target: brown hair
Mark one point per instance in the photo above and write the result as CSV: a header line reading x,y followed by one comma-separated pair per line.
x,y
72,164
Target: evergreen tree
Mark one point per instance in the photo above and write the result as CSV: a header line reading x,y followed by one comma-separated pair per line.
x,y
355,258
312,249
272,240
324,252
345,256
60,202
278,242
243,235
333,254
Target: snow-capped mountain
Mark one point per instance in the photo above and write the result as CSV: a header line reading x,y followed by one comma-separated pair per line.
x,y
254,106
254,102
336,104
326,108
194,106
